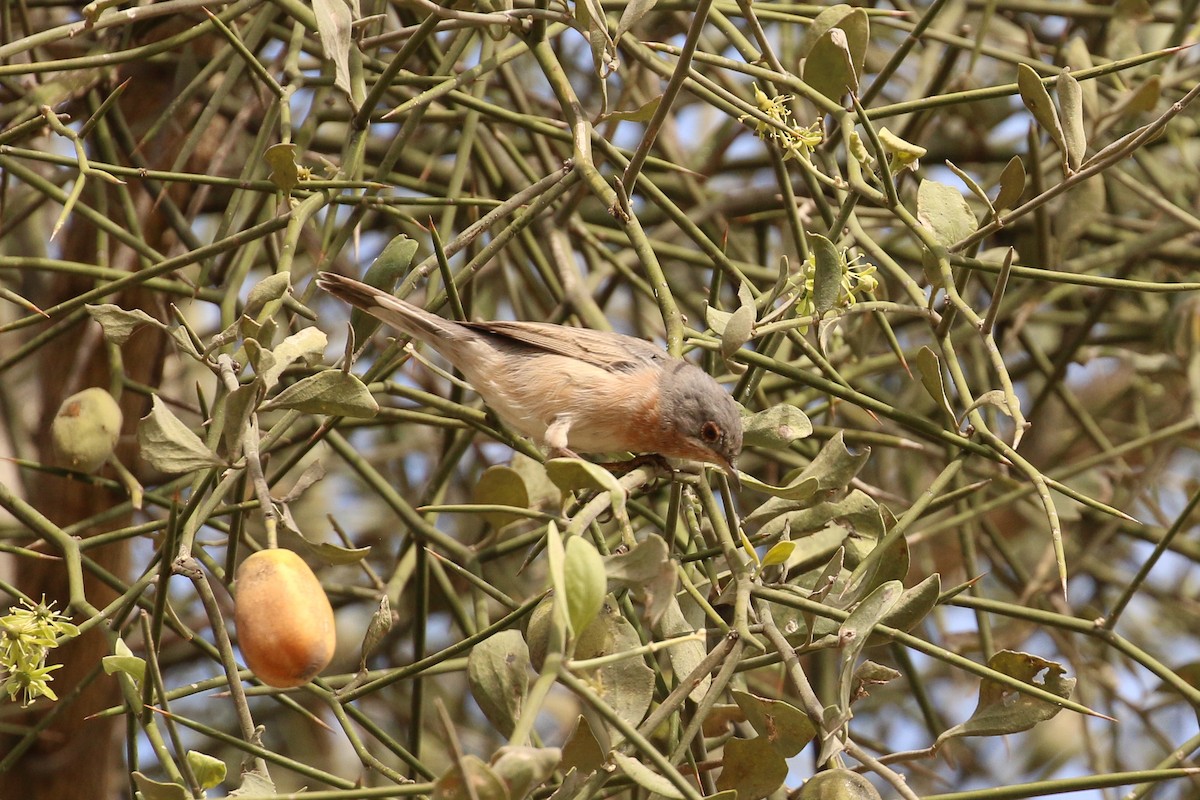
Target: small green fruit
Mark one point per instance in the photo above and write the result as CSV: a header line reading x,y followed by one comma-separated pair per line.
x,y
85,430
837,784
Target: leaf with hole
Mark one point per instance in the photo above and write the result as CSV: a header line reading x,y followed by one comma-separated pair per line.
x,y
1003,710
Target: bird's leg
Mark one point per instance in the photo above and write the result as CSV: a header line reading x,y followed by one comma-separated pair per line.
x,y
556,438
651,459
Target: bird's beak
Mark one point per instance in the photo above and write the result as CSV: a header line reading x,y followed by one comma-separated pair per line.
x,y
730,470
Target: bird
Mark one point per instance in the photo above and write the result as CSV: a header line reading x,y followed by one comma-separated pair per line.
x,y
574,390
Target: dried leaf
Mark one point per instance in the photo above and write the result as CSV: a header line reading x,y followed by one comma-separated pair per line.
x,y
119,324
170,446
333,25
330,392
776,427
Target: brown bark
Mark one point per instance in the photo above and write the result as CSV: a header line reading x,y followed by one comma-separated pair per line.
x,y
76,758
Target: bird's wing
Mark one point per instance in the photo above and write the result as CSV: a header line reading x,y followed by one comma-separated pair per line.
x,y
614,352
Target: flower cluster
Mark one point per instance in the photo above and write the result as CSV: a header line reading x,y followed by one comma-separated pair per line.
x,y
27,635
795,141
858,278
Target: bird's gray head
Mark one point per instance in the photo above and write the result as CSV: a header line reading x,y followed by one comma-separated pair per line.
x,y
700,416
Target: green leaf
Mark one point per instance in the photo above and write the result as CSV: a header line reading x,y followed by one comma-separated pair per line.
x,y
802,518
645,777
1077,56
1070,101
753,767
834,51
500,486
778,554
498,674
155,790
776,428
1012,184
124,661
786,727
716,319
582,752
331,392
738,329
914,604
209,770
239,405
833,468
648,571
119,324
336,555
944,212
975,188
1037,99
995,398
827,277
268,291
855,631
573,474
590,14
684,656
633,13
642,113
585,582
391,265
625,684
170,446
798,490
285,173
929,367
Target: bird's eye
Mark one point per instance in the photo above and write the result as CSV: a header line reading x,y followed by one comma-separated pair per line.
x,y
710,432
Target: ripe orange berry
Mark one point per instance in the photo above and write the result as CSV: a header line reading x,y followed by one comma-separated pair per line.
x,y
284,620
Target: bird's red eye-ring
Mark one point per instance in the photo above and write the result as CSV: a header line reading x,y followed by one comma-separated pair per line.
x,y
710,432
